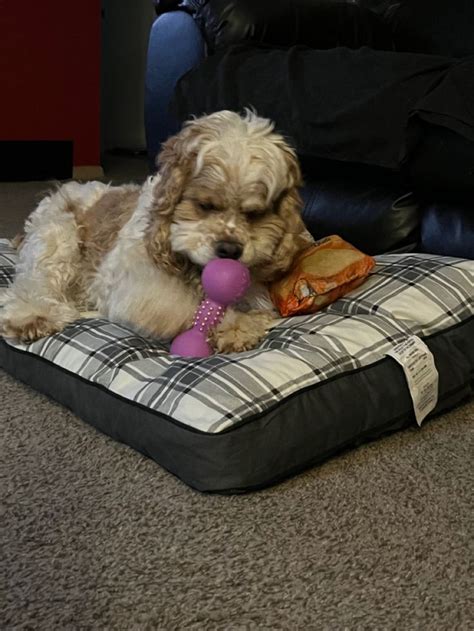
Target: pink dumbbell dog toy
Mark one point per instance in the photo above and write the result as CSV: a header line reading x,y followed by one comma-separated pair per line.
x,y
224,281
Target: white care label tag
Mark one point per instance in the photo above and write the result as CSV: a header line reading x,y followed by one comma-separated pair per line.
x,y
418,364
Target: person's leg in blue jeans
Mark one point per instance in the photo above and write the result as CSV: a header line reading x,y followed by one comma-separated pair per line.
x,y
175,46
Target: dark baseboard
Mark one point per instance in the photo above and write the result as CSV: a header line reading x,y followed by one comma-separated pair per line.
x,y
23,160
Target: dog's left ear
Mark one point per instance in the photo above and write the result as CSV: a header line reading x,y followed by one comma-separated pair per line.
x,y
290,204
295,179
289,207
295,236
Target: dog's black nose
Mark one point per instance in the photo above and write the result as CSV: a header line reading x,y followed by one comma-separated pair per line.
x,y
228,249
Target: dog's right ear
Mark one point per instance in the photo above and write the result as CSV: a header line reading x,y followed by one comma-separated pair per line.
x,y
174,164
178,159
173,172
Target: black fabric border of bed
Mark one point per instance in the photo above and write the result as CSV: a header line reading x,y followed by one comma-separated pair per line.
x,y
300,431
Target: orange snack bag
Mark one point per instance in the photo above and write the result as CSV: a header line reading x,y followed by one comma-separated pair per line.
x,y
321,274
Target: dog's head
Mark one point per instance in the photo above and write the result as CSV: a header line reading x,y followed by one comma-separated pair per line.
x,y
228,188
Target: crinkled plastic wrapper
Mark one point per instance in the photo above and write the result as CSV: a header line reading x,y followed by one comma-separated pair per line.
x,y
322,273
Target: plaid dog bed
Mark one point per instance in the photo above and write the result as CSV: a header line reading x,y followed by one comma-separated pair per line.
x,y
316,384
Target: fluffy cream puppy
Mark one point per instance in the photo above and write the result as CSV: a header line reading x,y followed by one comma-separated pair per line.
x,y
227,187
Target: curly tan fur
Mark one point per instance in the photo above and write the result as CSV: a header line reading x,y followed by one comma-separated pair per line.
x,y
136,254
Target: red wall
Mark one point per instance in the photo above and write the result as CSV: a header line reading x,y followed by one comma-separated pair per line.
x,y
50,73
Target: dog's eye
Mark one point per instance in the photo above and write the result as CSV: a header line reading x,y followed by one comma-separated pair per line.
x,y
207,206
252,215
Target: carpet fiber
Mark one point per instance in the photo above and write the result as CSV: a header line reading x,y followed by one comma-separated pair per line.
x,y
95,536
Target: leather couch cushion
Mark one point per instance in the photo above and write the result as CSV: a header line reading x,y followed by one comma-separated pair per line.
x,y
422,26
315,23
448,229
375,216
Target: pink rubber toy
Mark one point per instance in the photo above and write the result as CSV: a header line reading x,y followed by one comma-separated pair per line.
x,y
224,281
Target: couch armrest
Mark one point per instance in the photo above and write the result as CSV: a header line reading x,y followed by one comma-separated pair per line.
x,y
175,46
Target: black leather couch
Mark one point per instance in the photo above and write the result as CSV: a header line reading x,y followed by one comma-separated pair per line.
x,y
377,96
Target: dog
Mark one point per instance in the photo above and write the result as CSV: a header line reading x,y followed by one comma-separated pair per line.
x,y
227,187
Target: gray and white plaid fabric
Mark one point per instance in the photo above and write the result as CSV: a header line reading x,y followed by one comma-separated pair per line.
x,y
7,262
406,294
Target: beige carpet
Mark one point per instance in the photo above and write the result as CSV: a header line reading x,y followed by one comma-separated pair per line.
x,y
96,536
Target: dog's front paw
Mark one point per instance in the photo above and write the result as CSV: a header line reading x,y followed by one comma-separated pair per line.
x,y
28,329
239,332
27,322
